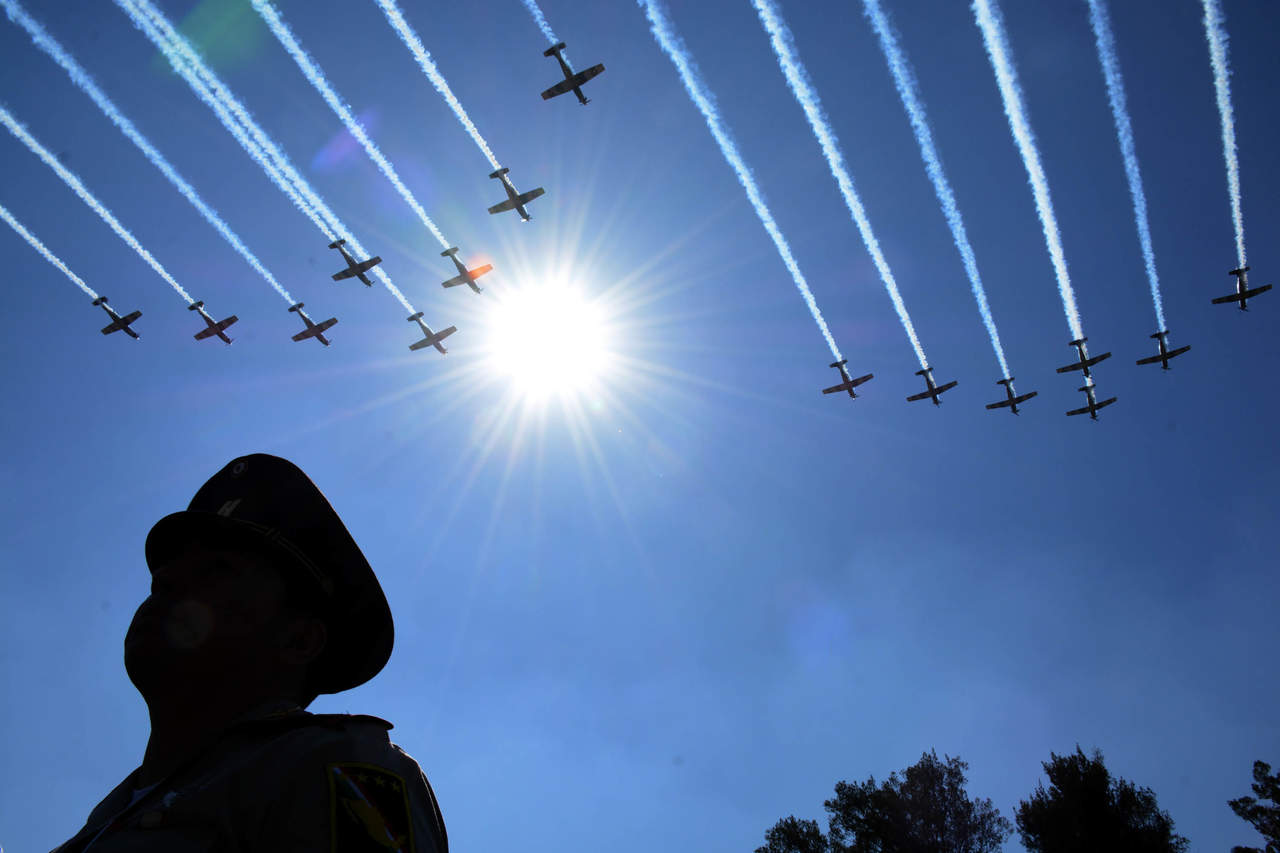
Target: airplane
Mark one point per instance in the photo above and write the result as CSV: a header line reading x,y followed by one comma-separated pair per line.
x,y
118,323
1242,289
1013,400
515,201
353,268
849,383
464,276
217,327
432,339
571,80
313,330
1093,404
1085,362
934,390
1165,352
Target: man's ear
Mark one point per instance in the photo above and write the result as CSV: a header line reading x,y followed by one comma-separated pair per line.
x,y
302,640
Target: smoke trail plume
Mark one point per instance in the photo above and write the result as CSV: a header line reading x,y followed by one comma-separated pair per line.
x,y
1215,29
317,78
87,197
987,14
541,20
42,249
236,119
85,82
908,91
798,80
673,46
428,65
1124,131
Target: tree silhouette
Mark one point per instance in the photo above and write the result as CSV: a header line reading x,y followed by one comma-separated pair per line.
x,y
790,835
1265,819
1085,809
926,811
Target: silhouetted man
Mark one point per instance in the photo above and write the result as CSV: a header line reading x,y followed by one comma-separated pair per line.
x,y
260,600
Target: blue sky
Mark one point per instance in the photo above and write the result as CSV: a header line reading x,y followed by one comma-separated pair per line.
x,y
672,605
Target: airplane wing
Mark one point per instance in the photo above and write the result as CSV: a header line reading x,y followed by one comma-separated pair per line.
x,y
1083,411
425,342
558,89
1076,366
441,335
1153,359
1235,297
206,333
1255,291
836,389
1106,402
1003,404
509,204
946,387
468,277
347,273
525,198
1179,351
584,76
315,329
921,396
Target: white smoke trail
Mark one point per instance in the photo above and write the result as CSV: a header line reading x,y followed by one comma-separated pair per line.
x,y
236,119
541,20
428,65
317,78
86,83
987,14
88,198
798,80
1215,29
908,91
673,46
42,249
1124,131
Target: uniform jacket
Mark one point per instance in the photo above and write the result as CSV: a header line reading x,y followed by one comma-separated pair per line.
x,y
278,782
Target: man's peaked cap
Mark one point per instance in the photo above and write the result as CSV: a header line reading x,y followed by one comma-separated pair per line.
x,y
268,504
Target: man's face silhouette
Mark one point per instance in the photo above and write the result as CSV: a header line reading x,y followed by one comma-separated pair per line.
x,y
213,611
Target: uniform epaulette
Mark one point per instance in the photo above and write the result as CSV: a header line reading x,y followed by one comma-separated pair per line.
x,y
341,721
301,719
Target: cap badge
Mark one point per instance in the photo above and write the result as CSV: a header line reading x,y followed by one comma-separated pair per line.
x,y
229,507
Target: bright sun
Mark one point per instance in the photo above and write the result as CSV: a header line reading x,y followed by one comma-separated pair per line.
x,y
549,339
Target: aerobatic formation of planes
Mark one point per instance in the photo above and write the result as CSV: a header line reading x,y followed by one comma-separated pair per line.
x,y
359,269
573,81
1082,363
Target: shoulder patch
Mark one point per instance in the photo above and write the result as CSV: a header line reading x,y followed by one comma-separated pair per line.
x,y
368,810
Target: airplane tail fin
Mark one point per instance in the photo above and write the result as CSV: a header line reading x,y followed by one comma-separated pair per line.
x,y
297,306
554,49
924,372
1160,334
499,173
101,300
1077,342
1005,382
838,363
336,243
1239,271
414,317
452,250
196,306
